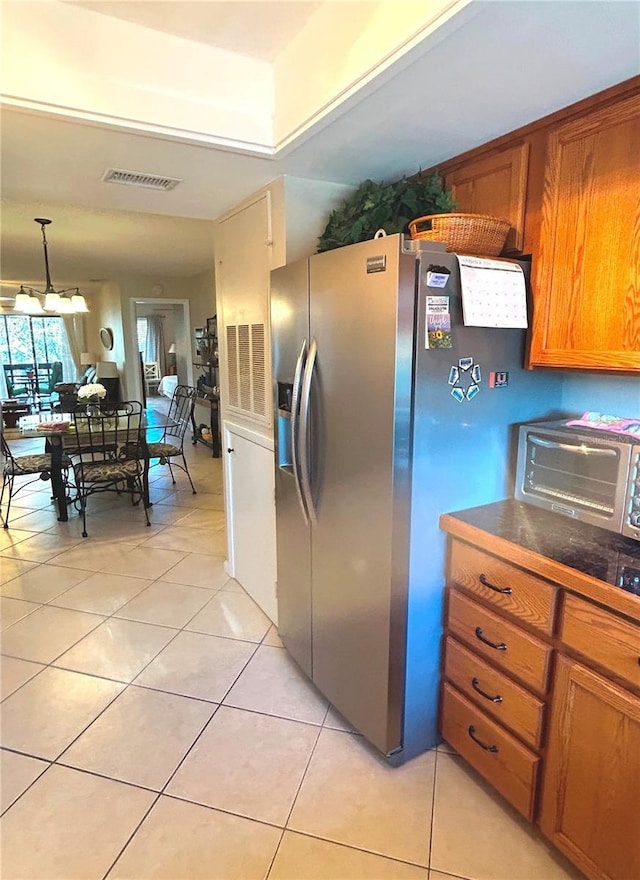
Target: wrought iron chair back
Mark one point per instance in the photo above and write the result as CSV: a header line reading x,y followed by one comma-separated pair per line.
x,y
180,410
171,443
13,466
109,451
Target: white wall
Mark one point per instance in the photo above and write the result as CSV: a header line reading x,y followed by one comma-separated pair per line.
x,y
106,311
111,307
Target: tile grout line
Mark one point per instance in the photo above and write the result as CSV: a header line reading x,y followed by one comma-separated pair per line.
x,y
180,763
433,807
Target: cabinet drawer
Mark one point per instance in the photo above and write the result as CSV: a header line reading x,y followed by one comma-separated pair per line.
x,y
496,694
522,595
603,637
504,762
502,642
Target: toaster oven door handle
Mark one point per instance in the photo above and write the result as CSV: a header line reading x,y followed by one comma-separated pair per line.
x,y
583,450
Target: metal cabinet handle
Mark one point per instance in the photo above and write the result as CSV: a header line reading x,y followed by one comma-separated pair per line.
x,y
506,591
472,734
500,647
475,684
230,449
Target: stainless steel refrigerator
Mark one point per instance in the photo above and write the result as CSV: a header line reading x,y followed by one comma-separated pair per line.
x,y
372,443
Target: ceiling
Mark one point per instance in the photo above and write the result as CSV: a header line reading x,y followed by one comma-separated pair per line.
x,y
511,63
257,29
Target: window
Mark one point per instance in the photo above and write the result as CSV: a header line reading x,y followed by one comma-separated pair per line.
x,y
30,343
141,326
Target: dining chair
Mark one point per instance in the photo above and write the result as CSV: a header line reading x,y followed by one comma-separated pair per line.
x,y
152,376
171,443
108,452
14,466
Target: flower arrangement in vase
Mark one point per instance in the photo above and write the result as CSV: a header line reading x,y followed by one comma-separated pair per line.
x,y
92,394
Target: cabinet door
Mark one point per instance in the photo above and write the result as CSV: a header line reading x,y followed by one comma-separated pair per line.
x,y
495,184
590,807
587,276
251,527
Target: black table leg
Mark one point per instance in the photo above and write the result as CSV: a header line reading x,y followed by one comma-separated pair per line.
x,y
57,482
146,500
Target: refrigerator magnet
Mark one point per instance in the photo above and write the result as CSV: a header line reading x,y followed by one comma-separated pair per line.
x,y
439,331
437,305
465,379
437,276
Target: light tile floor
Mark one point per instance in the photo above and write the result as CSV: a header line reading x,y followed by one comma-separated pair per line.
x,y
154,727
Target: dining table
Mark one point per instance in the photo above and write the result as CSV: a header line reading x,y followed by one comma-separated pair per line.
x,y
56,428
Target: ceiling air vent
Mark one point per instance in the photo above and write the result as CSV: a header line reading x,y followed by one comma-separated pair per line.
x,y
138,178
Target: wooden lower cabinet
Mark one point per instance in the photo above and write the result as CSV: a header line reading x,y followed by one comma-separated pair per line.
x,y
546,706
511,767
591,795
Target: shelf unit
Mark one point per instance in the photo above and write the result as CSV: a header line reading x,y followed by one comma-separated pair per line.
x,y
208,384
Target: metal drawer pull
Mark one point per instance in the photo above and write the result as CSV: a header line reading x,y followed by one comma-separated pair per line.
x,y
500,647
475,684
485,583
472,734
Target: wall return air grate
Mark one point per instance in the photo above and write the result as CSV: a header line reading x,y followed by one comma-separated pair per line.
x,y
140,178
247,387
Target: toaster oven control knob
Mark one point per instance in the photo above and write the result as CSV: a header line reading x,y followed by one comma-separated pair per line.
x,y
635,519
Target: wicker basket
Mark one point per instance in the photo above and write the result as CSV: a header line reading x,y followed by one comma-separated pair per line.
x,y
466,233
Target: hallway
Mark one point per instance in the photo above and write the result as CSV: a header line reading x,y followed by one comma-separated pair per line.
x,y
154,727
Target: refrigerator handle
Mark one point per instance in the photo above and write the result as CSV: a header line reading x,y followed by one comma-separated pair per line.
x,y
295,408
304,430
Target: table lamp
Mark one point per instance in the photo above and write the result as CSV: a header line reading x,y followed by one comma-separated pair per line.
x,y
172,368
87,358
107,375
106,370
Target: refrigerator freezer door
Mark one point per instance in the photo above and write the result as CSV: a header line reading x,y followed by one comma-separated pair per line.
x,y
290,327
362,301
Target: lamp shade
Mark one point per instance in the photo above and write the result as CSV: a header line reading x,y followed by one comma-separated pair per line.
x,y
87,357
52,302
34,306
172,348
79,303
106,370
22,301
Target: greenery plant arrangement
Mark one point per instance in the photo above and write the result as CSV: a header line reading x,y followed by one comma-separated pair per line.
x,y
388,206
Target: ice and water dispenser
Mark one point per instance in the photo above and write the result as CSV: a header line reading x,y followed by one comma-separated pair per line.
x,y
285,398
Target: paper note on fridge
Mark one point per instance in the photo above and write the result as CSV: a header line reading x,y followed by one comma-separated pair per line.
x,y
493,293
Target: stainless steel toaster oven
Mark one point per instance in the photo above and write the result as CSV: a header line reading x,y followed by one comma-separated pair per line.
x,y
584,473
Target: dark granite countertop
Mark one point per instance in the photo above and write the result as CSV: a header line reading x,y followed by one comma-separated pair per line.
x,y
598,553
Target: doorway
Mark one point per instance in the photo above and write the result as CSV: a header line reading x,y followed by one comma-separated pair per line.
x,y
161,330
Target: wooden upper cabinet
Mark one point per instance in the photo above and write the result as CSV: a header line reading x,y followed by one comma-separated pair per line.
x,y
587,267
494,184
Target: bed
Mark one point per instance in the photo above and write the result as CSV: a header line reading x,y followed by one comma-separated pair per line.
x,y
167,386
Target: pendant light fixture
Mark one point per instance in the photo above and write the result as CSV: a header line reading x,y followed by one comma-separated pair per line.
x,y
54,300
